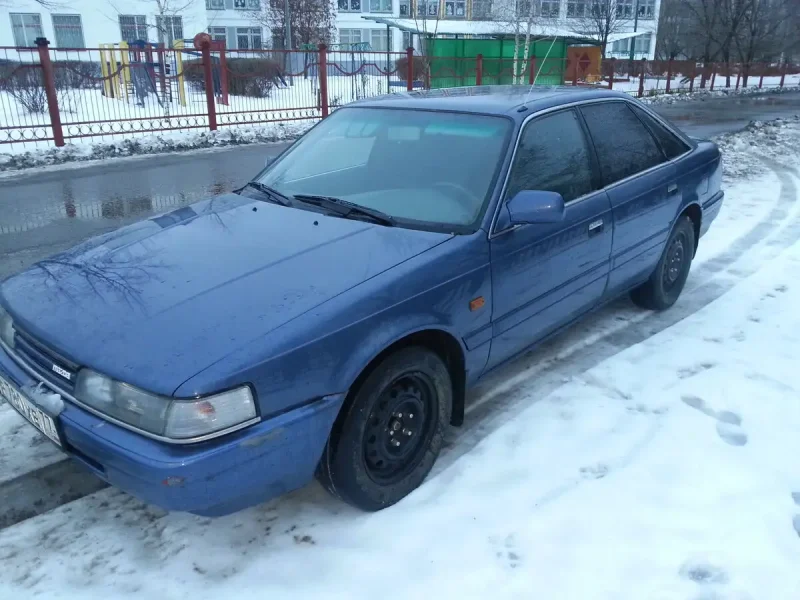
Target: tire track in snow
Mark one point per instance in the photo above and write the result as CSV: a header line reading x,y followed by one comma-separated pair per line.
x,y
496,407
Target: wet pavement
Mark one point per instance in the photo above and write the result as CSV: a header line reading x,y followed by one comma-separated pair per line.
x,y
46,211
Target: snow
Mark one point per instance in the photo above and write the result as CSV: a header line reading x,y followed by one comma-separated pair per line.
x,y
639,456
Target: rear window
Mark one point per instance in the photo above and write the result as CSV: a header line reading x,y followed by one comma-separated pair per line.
x,y
624,145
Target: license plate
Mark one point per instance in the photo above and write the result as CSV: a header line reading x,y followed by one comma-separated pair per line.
x,y
38,418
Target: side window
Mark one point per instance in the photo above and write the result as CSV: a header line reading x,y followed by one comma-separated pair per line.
x,y
624,146
553,156
671,144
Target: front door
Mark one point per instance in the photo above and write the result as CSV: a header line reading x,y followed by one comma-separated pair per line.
x,y
544,276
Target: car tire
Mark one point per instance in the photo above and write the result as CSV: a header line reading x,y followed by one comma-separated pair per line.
x,y
390,432
667,281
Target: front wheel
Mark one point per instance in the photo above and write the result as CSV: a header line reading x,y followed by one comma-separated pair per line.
x,y
390,434
666,283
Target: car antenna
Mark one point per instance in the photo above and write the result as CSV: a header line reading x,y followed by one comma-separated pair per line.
x,y
540,68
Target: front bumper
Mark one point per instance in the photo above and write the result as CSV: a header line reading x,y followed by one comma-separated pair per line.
x,y
212,478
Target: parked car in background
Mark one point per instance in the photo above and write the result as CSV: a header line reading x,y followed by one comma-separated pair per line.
x,y
329,316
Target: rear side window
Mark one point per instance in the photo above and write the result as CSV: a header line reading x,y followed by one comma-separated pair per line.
x,y
671,144
553,156
624,146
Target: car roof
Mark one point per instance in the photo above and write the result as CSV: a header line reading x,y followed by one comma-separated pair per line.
x,y
490,99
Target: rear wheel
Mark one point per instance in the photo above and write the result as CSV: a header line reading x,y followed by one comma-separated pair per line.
x,y
666,283
390,434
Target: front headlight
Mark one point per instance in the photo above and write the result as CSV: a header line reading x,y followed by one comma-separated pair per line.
x,y
6,328
162,415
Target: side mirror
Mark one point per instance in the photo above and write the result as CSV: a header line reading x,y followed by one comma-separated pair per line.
x,y
270,160
530,206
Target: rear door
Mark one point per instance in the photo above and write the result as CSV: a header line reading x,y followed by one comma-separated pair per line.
x,y
546,275
641,184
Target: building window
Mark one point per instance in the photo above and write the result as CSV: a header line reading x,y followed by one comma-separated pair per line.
x,y
68,31
247,4
455,9
549,8
524,8
248,38
407,40
577,8
215,4
218,34
405,8
133,28
625,9
379,40
26,27
642,43
349,5
380,5
647,9
620,47
349,36
170,28
427,7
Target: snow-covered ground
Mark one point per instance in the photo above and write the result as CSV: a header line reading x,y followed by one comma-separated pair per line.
x,y
640,456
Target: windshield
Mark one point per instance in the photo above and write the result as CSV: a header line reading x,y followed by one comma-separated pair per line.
x,y
423,166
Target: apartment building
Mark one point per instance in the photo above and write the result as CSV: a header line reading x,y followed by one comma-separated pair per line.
x,y
380,25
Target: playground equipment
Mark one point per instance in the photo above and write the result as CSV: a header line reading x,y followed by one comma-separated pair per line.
x,y
141,69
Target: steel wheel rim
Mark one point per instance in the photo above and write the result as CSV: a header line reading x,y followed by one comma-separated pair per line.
x,y
399,428
674,262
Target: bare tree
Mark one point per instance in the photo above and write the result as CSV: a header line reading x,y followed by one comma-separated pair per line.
x,y
674,30
761,32
169,17
311,21
599,19
426,22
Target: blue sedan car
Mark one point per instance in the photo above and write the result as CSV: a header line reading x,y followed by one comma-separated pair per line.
x,y
328,317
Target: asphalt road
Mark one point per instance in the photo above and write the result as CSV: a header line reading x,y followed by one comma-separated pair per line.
x,y
46,211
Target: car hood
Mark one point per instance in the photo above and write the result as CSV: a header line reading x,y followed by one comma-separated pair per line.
x,y
155,303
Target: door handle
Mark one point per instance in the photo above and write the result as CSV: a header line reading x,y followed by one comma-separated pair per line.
x,y
596,227
672,188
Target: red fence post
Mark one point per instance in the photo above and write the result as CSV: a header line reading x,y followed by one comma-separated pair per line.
x,y
669,76
409,69
531,70
50,90
692,75
574,70
223,73
323,79
209,85
761,78
783,73
479,69
641,78
713,76
738,77
613,62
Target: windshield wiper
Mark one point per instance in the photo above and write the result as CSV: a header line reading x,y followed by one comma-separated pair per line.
x,y
274,195
345,208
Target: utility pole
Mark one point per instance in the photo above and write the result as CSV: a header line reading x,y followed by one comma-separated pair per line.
x,y
287,39
633,39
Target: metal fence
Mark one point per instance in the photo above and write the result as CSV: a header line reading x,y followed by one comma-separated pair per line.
x,y
52,96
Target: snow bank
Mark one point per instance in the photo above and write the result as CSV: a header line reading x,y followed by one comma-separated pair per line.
x,y
682,96
743,151
154,144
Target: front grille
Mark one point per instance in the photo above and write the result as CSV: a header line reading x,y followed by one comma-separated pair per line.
x,y
52,367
